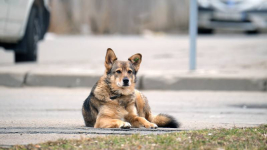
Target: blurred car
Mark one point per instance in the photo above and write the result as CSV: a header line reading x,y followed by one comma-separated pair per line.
x,y
22,24
243,15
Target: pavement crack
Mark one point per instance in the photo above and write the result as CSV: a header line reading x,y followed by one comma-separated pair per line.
x,y
25,78
265,86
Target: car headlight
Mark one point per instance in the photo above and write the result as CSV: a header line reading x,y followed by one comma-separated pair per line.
x,y
204,3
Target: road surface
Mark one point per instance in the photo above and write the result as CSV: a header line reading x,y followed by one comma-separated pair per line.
x,y
32,115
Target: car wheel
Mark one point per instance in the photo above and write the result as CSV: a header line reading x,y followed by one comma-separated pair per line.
x,y
205,31
30,40
252,32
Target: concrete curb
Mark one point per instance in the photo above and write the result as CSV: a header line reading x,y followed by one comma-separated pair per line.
x,y
207,82
61,79
85,130
147,81
12,79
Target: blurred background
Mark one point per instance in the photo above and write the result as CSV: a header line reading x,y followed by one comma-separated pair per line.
x,y
76,33
138,17
119,17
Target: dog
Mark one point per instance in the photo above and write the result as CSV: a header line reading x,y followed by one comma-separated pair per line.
x,y
115,103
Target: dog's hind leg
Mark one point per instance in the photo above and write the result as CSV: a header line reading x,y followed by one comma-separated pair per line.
x,y
136,120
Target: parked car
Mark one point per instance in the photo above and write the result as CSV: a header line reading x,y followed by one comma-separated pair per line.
x,y
243,15
22,24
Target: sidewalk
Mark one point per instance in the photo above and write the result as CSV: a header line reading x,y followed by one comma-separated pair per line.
x,y
150,80
228,63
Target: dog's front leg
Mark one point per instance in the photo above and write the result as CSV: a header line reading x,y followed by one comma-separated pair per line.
x,y
137,121
107,122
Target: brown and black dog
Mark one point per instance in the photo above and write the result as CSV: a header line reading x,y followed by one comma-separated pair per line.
x,y
114,102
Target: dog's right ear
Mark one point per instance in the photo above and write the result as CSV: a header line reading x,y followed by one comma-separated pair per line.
x,y
110,59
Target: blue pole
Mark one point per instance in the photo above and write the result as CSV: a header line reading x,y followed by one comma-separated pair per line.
x,y
193,33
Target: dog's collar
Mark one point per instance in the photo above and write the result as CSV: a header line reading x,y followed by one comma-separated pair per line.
x,y
116,96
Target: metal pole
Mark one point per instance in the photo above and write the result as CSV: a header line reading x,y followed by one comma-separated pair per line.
x,y
193,33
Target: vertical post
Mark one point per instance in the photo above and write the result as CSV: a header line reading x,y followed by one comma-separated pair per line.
x,y
193,33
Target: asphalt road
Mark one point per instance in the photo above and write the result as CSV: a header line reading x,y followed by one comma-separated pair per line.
x,y
32,115
216,52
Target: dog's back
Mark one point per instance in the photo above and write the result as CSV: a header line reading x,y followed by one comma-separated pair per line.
x,y
90,110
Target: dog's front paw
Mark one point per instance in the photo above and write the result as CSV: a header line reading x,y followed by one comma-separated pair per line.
x,y
125,125
151,126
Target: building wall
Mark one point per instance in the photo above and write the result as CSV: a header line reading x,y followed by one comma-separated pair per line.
x,y
118,16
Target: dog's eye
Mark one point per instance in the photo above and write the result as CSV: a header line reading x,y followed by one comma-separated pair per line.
x,y
118,71
129,71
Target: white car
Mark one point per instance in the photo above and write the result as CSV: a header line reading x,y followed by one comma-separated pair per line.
x,y
242,15
22,24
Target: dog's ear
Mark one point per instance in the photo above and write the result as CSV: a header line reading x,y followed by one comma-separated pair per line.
x,y
136,60
110,59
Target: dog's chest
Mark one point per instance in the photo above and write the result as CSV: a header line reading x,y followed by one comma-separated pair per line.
x,y
121,108
124,101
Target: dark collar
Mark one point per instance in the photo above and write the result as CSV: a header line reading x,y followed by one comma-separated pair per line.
x,y
116,96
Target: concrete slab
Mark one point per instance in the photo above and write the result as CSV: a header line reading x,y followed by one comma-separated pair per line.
x,y
61,79
12,79
206,81
148,80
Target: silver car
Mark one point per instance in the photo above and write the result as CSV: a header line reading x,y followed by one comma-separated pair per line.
x,y
22,24
243,15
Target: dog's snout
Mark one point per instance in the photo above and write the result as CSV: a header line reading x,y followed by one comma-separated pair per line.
x,y
125,80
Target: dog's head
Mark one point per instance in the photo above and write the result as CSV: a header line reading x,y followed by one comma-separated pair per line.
x,y
122,74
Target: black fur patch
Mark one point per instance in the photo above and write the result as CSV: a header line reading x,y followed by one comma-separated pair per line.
x,y
116,96
107,81
172,123
86,104
109,72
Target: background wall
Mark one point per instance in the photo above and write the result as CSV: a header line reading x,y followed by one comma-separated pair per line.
x,y
118,16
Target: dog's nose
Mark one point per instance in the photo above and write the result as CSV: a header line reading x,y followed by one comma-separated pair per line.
x,y
125,80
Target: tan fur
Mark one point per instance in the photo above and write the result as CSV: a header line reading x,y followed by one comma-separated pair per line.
x,y
160,120
112,104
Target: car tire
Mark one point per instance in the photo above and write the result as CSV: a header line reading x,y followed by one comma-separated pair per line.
x,y
252,32
29,42
205,31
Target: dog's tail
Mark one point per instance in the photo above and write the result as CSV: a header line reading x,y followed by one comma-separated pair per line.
x,y
165,121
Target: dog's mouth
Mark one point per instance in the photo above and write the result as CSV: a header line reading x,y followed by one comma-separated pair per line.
x,y
127,84
123,84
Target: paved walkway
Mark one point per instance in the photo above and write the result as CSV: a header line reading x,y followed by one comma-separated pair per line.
x,y
33,115
226,62
217,53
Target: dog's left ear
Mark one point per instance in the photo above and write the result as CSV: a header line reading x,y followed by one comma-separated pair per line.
x,y
136,60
